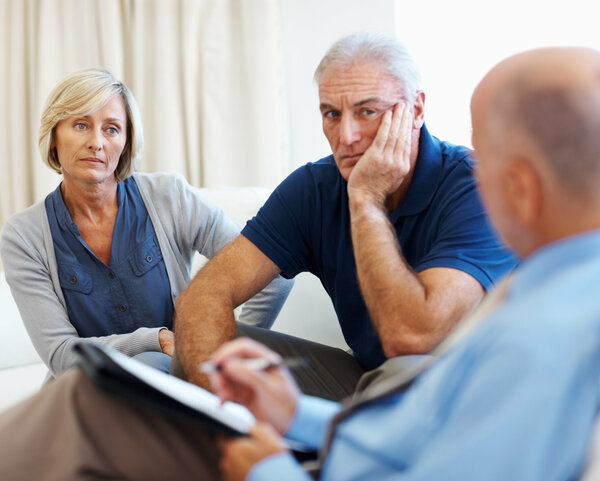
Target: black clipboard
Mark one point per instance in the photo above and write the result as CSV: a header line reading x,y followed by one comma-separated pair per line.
x,y
109,375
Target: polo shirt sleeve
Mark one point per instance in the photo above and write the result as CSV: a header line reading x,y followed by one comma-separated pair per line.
x,y
281,227
464,237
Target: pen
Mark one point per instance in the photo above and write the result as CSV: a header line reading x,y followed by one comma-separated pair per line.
x,y
258,364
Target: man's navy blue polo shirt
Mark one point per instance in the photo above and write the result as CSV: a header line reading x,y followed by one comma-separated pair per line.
x,y
305,226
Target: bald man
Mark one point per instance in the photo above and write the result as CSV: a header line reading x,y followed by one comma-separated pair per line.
x,y
515,393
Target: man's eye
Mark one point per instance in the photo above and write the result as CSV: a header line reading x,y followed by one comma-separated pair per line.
x,y
368,112
331,114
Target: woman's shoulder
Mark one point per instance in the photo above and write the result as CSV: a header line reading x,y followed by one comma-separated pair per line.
x,y
32,218
159,181
24,231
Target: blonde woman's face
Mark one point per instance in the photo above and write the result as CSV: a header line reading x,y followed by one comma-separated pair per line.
x,y
89,146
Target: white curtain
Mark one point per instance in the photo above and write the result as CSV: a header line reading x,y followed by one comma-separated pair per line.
x,y
206,75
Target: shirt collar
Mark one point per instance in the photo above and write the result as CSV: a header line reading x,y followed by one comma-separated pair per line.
x,y
554,257
428,169
62,213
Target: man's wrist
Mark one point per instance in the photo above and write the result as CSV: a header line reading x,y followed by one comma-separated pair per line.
x,y
365,203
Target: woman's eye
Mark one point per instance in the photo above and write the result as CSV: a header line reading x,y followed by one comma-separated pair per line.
x,y
80,126
112,130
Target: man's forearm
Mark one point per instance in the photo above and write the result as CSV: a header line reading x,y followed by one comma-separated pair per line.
x,y
412,312
204,312
204,321
395,296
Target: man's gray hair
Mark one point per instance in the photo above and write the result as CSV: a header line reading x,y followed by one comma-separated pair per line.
x,y
373,46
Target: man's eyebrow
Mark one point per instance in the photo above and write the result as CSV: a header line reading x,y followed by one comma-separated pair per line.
x,y
324,106
371,100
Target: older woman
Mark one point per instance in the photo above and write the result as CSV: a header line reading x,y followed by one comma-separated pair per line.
x,y
104,256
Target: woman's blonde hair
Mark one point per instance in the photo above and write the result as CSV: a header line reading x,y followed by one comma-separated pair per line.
x,y
81,93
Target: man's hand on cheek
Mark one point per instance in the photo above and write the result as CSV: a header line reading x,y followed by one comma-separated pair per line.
x,y
239,455
386,163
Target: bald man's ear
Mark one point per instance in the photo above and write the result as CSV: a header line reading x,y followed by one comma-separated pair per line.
x,y
419,110
524,191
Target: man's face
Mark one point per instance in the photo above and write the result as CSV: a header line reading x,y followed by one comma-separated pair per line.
x,y
352,102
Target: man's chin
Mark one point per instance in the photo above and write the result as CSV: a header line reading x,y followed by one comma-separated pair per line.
x,y
345,172
346,167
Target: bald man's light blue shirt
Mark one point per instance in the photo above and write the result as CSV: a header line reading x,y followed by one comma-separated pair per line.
x,y
516,400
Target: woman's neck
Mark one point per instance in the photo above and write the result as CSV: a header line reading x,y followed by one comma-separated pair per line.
x,y
93,203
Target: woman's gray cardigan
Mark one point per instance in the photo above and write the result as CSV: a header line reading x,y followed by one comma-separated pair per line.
x,y
184,222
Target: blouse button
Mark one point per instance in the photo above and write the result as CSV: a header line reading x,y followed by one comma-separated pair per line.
x,y
73,280
122,308
148,258
111,275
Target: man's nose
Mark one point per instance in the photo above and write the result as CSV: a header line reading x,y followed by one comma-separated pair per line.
x,y
349,130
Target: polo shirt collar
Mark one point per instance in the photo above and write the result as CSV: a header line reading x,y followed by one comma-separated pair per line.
x,y
426,177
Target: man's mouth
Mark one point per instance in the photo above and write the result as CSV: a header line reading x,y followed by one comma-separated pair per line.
x,y
351,158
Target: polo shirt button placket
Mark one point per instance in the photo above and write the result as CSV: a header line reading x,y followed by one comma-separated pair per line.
x,y
111,275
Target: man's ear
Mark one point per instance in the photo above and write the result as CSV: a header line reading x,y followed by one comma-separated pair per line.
x,y
524,191
419,110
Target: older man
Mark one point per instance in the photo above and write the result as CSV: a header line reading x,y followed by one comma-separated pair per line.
x,y
515,398
391,224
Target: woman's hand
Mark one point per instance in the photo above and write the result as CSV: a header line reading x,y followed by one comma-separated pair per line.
x,y
166,338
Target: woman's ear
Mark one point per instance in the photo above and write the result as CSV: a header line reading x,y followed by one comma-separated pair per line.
x,y
419,110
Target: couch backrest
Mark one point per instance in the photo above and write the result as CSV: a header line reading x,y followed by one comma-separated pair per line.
x,y
15,347
239,203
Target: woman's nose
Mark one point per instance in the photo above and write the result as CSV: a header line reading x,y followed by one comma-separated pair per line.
x,y
94,141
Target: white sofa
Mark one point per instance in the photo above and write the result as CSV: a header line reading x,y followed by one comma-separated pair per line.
x,y
307,313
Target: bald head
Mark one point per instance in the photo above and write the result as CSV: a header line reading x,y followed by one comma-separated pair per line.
x,y
546,102
536,132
